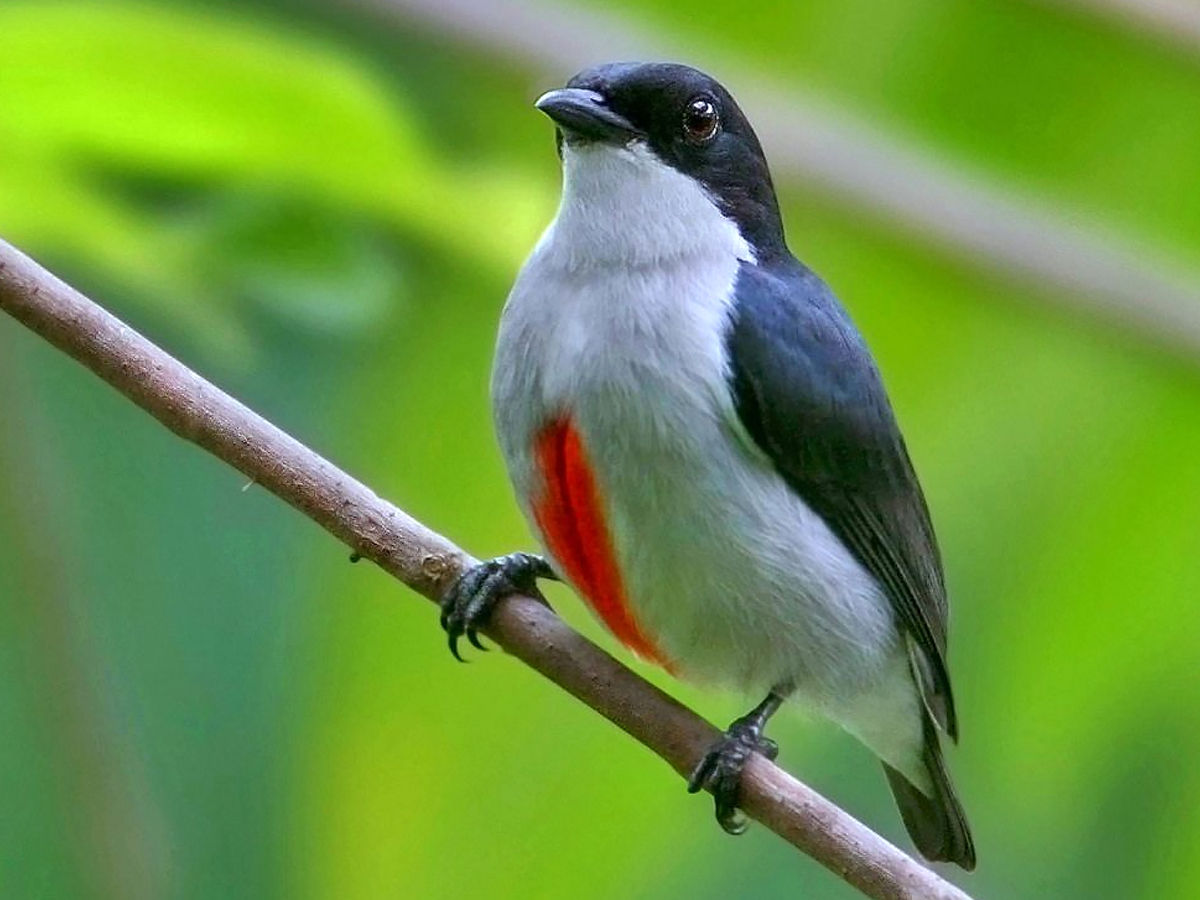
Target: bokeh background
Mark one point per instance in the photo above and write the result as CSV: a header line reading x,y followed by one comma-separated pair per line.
x,y
321,205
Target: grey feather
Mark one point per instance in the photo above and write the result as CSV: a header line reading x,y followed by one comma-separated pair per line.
x,y
808,392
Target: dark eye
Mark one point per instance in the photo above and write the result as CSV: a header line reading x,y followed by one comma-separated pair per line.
x,y
700,120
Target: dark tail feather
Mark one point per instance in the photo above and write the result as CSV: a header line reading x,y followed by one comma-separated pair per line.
x,y
937,824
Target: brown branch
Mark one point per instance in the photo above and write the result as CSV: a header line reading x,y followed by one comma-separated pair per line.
x,y
425,561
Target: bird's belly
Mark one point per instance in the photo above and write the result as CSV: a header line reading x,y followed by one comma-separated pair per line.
x,y
682,538
698,556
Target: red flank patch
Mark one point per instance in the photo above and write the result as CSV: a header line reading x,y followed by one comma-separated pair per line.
x,y
572,520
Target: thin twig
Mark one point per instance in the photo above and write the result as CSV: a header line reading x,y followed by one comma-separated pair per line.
x,y
1132,289
425,561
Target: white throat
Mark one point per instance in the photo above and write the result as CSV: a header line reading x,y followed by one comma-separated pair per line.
x,y
623,205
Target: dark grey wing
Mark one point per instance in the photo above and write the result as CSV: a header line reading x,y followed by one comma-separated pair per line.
x,y
809,394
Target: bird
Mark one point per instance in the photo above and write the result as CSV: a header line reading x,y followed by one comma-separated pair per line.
x,y
701,442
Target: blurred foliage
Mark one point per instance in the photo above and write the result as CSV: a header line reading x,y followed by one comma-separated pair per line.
x,y
200,698
100,93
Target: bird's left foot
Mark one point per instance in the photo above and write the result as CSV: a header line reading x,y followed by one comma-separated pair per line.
x,y
471,599
720,771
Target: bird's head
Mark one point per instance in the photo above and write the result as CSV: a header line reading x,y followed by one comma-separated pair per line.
x,y
640,133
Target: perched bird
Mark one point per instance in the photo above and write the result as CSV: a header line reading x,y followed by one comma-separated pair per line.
x,y
702,442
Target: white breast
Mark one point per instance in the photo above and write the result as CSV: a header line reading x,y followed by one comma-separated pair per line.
x,y
618,319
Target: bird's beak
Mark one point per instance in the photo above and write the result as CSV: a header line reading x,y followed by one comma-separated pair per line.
x,y
584,114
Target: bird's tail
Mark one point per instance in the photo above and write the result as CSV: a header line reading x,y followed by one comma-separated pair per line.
x,y
937,823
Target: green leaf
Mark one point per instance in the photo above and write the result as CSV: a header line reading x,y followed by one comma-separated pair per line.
x,y
184,97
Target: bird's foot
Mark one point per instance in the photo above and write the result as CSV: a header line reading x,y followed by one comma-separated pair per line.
x,y
720,770
471,599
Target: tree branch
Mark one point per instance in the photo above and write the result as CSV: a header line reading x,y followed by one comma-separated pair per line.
x,y
427,562
1172,22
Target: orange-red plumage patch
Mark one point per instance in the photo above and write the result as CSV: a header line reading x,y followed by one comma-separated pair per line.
x,y
571,517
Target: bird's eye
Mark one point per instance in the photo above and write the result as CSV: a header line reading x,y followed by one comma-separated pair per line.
x,y
700,120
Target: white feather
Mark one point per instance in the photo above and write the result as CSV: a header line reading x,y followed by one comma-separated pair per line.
x,y
619,319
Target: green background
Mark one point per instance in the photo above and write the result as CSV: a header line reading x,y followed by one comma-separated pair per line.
x,y
200,698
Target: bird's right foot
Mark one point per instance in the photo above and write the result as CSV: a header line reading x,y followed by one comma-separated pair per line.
x,y
471,599
720,770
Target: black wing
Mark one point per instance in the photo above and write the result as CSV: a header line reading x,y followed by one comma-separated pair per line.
x,y
809,394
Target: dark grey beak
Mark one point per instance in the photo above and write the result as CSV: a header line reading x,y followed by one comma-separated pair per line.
x,y
581,113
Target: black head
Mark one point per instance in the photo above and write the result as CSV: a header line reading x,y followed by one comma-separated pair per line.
x,y
690,122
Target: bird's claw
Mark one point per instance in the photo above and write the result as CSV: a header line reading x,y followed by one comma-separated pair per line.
x,y
471,599
720,770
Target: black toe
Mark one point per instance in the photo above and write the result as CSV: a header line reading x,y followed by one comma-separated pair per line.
x,y
720,770
471,599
